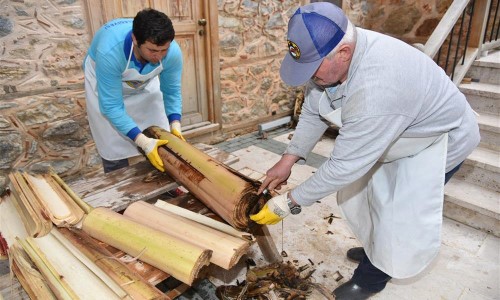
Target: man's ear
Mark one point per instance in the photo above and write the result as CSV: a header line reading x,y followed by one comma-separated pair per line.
x,y
346,52
134,40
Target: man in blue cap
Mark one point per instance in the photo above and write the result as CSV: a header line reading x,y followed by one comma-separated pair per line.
x,y
405,129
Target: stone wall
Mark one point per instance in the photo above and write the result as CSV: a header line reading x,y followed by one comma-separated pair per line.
x,y
46,130
409,20
43,43
42,46
252,44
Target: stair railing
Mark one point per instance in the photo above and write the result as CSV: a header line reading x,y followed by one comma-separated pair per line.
x,y
467,29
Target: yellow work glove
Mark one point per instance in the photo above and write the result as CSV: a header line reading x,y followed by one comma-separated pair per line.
x,y
150,147
175,129
273,211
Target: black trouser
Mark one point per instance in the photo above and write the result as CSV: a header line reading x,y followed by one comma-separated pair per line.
x,y
370,277
111,165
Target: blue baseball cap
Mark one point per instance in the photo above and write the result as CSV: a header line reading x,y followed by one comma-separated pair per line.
x,y
313,31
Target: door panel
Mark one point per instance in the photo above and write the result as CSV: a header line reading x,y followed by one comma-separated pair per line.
x,y
192,104
185,15
189,34
130,8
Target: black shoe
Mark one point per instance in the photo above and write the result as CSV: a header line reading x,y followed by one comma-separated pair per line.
x,y
356,254
351,291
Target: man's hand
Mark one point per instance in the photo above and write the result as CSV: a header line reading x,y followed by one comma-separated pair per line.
x,y
273,211
279,173
175,129
150,147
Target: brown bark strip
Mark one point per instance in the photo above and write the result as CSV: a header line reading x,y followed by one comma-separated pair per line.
x,y
229,194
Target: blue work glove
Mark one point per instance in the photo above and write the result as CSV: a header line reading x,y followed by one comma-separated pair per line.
x,y
273,211
150,147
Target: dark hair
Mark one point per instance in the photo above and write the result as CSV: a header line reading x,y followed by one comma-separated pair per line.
x,y
153,26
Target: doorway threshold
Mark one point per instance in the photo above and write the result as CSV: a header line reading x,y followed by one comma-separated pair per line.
x,y
198,129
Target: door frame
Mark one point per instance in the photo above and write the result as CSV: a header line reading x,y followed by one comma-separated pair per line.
x,y
213,65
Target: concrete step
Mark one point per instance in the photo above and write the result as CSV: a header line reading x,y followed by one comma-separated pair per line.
x,y
486,69
482,97
472,196
489,127
472,205
481,168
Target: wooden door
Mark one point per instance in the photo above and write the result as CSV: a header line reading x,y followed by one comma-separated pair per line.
x,y
192,32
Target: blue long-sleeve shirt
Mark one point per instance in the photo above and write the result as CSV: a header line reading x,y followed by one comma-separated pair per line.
x,y
110,49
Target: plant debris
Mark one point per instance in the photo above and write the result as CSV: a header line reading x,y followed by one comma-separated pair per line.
x,y
330,218
275,281
337,276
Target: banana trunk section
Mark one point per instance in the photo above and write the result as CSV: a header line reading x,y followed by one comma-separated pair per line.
x,y
231,195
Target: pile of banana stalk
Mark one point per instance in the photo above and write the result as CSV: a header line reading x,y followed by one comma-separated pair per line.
x,y
273,282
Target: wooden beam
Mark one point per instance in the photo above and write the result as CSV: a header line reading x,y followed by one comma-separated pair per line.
x,y
478,23
460,69
444,27
266,244
117,189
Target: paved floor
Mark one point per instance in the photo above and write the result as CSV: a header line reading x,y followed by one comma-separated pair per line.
x,y
467,267
276,141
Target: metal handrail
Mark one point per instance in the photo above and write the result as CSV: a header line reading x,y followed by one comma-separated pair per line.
x,y
444,27
481,15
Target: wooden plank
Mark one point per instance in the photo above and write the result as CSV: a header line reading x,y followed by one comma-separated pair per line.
x,y
140,181
266,244
460,69
176,292
478,23
213,63
200,130
118,189
95,18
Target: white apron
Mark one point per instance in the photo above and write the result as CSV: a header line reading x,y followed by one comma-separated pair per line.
x,y
143,102
395,210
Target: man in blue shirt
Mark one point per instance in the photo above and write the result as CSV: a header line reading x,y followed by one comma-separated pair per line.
x,y
132,81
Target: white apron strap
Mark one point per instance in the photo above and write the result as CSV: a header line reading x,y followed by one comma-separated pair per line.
x,y
326,111
145,106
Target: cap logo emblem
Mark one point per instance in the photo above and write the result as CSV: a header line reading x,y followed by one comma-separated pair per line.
x,y
294,50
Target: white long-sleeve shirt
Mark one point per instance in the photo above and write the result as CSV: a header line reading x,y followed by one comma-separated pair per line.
x,y
393,90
